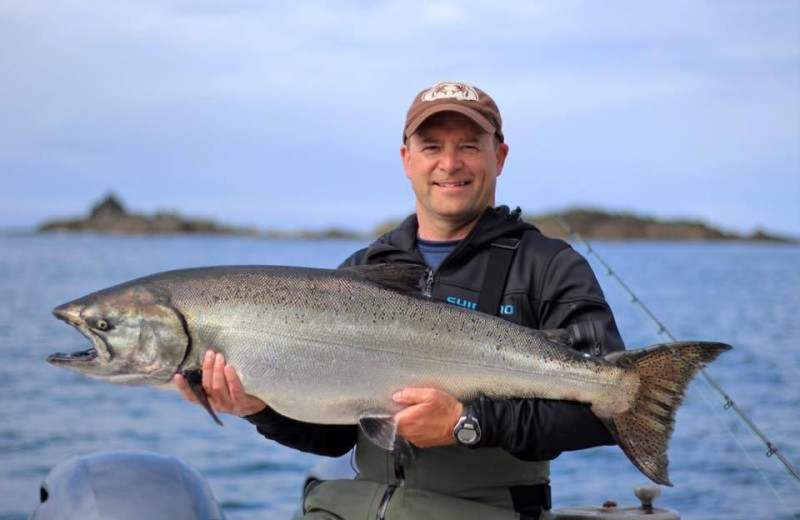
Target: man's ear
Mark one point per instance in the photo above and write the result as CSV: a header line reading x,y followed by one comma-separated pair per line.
x,y
500,155
405,155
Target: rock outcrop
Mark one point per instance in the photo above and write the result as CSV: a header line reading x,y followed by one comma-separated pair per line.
x,y
603,225
110,216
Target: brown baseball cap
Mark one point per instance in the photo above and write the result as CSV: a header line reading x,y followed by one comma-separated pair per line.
x,y
455,97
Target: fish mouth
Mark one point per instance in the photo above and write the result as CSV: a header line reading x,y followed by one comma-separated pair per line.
x,y
72,314
82,357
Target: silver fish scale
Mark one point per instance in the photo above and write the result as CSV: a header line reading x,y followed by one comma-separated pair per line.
x,y
323,346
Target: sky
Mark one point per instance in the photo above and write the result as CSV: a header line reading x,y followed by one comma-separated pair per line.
x,y
289,115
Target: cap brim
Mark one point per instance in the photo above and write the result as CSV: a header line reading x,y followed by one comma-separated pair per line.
x,y
476,116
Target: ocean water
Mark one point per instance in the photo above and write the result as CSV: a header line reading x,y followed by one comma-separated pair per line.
x,y
747,295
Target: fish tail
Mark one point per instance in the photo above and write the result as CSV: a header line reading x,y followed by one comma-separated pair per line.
x,y
664,373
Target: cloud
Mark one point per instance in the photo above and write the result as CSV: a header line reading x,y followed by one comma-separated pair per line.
x,y
211,100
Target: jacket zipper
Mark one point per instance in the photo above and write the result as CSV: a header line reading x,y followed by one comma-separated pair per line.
x,y
429,284
598,348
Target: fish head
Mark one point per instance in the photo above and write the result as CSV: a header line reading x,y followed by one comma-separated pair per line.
x,y
137,337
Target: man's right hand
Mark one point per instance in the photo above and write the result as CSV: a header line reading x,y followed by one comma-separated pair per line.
x,y
223,388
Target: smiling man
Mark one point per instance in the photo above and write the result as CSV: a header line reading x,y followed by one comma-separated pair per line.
x,y
452,156
485,459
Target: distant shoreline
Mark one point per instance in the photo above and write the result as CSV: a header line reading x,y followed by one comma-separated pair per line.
x,y
365,238
109,217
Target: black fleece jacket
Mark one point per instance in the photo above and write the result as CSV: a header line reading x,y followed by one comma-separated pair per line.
x,y
549,286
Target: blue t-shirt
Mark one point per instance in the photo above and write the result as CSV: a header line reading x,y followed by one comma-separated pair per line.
x,y
433,251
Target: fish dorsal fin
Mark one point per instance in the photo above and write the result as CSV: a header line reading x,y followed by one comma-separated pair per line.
x,y
408,279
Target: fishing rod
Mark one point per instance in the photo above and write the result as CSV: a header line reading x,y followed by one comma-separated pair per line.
x,y
730,404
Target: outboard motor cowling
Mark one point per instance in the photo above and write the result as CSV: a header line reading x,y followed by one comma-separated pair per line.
x,y
125,485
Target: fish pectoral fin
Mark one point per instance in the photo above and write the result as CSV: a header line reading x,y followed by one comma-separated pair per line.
x,y
380,428
195,380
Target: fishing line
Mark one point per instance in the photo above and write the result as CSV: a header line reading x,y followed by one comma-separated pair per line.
x,y
747,454
730,404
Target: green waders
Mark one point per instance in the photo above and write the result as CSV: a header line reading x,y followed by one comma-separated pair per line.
x,y
440,484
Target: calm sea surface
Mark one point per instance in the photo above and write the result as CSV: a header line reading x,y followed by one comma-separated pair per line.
x,y
743,294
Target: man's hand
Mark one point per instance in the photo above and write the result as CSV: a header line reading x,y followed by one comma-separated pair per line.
x,y
223,387
430,417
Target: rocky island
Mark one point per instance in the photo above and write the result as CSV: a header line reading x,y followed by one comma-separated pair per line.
x,y
598,224
110,216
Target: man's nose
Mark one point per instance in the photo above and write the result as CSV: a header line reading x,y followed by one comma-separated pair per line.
x,y
450,161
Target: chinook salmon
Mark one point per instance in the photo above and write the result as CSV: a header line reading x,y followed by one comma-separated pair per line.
x,y
332,346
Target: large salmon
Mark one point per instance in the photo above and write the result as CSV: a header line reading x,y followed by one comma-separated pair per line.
x,y
332,346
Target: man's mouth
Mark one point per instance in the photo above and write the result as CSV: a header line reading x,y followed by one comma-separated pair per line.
x,y
452,184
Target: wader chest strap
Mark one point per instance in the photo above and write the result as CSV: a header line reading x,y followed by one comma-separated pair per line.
x,y
494,280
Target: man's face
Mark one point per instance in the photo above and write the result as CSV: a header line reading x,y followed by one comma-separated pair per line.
x,y
453,166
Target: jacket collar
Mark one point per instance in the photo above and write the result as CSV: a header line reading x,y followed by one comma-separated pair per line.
x,y
400,244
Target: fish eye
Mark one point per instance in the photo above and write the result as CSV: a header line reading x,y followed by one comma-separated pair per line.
x,y
101,324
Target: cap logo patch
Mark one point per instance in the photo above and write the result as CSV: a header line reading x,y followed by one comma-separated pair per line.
x,y
457,91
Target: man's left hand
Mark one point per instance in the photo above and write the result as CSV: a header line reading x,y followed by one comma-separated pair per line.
x,y
430,417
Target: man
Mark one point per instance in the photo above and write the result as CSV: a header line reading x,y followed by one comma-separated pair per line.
x,y
484,459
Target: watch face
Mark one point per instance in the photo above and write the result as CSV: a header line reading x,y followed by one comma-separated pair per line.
x,y
467,431
467,435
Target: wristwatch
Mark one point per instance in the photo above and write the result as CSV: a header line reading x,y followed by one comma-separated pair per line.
x,y
467,431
